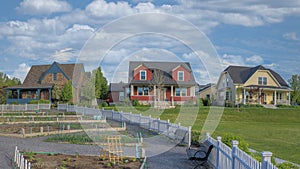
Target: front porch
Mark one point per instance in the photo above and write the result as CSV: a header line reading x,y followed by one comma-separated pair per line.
x,y
264,95
23,95
165,96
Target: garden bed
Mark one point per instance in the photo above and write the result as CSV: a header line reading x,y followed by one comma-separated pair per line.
x,y
51,160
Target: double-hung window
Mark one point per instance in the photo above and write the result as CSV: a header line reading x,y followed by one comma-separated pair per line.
x,y
180,75
143,75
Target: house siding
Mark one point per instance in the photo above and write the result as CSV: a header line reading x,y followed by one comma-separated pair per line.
x,y
254,79
137,73
187,74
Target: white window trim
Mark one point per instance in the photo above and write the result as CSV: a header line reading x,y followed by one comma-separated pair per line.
x,y
141,74
182,75
180,92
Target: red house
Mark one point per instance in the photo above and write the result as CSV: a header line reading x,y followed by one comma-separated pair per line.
x,y
170,82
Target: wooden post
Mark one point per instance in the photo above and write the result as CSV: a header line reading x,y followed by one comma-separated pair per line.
x,y
218,151
266,158
275,98
190,136
235,144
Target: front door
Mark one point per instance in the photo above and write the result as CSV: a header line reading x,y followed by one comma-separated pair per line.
x,y
162,94
263,98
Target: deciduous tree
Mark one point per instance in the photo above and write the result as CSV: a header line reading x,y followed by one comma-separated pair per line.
x,y
295,85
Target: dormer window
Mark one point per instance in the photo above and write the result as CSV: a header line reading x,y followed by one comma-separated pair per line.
x,y
142,75
262,80
180,76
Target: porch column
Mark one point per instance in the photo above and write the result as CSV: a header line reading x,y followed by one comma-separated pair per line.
x,y
131,90
275,97
7,91
50,94
259,96
172,91
18,96
244,97
289,101
38,94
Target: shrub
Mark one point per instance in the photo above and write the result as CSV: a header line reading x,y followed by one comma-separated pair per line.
x,y
195,138
243,145
39,102
104,104
206,102
287,165
285,106
135,102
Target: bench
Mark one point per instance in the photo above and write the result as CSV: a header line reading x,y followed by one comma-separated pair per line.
x,y
200,155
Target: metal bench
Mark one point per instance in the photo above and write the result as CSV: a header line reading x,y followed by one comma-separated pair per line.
x,y
200,155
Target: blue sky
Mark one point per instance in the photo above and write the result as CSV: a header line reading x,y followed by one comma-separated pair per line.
x,y
246,33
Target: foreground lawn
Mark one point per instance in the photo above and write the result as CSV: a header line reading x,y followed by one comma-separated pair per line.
x,y
272,130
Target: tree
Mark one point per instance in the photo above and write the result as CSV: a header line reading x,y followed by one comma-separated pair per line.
x,y
56,92
87,92
101,87
295,85
66,92
157,83
6,81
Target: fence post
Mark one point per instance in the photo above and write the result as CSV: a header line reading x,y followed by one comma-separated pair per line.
x,y
235,144
16,151
219,138
158,124
67,107
266,158
190,135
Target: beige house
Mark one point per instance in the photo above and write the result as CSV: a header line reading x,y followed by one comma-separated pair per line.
x,y
207,91
251,85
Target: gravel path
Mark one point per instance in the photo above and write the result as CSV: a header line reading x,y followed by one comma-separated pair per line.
x,y
175,158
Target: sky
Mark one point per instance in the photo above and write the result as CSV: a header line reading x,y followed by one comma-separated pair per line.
x,y
210,34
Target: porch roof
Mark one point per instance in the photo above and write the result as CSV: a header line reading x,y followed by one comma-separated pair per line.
x,y
34,86
169,83
273,88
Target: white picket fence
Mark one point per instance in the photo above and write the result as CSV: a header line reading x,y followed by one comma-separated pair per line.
x,y
19,161
171,130
24,107
234,158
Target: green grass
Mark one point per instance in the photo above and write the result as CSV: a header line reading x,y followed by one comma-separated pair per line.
x,y
275,130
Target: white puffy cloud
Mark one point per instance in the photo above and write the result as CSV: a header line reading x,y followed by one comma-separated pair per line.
x,y
64,55
21,71
290,36
255,59
43,7
101,8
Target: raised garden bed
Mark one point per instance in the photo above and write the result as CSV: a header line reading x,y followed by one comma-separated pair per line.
x,y
61,161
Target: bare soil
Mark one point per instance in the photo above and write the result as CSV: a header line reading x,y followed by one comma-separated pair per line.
x,y
61,161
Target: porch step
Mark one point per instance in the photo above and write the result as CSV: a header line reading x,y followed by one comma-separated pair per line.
x,y
270,106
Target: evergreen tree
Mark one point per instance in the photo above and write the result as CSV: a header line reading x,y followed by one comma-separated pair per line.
x,y
66,92
101,87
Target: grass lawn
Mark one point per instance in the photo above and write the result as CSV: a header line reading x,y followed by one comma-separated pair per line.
x,y
275,130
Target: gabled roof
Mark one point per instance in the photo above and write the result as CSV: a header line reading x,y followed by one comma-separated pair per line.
x,y
165,67
36,72
117,87
204,87
240,74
